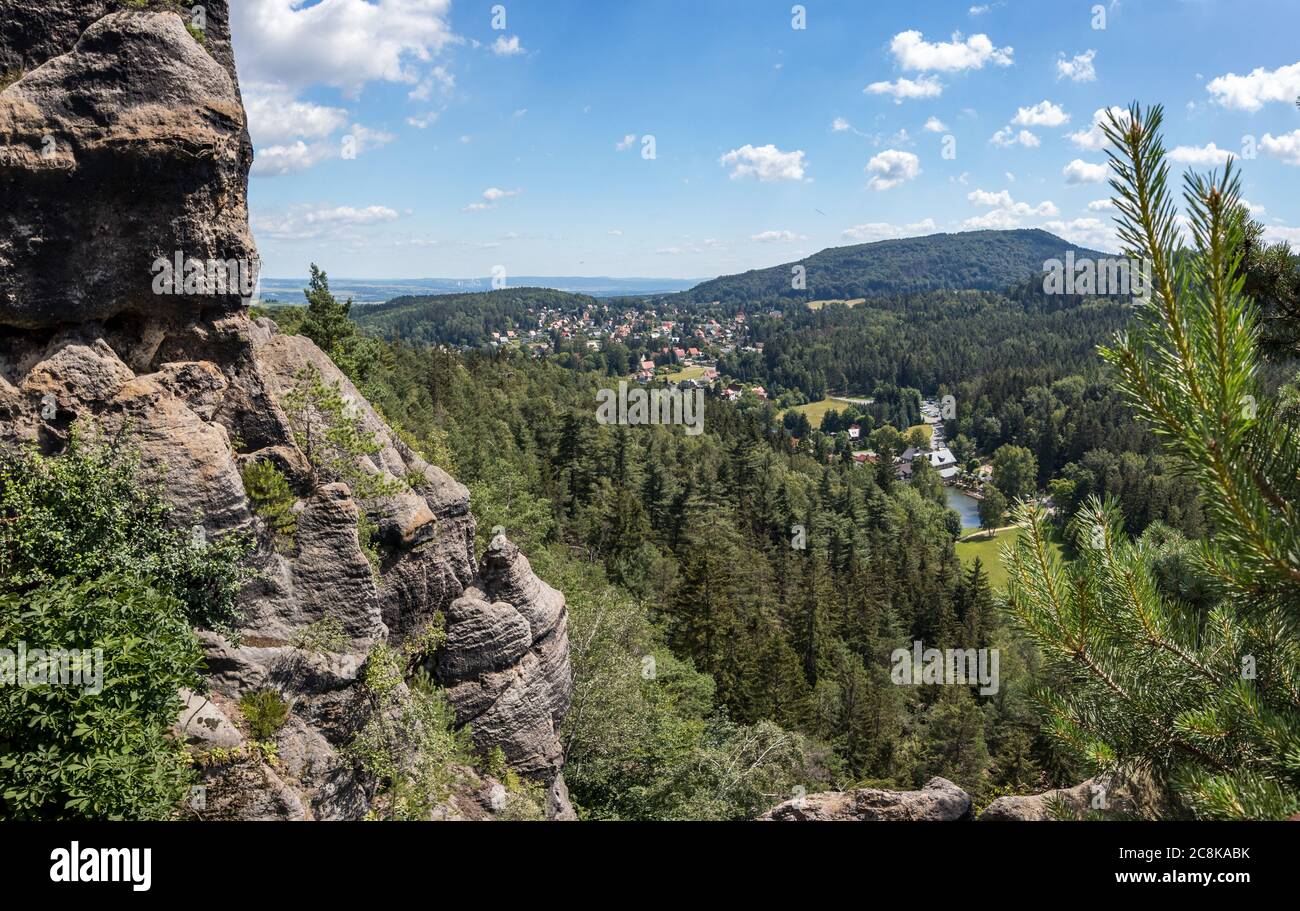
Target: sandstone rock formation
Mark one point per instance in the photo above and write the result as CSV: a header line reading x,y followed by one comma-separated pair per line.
x,y
939,801
149,159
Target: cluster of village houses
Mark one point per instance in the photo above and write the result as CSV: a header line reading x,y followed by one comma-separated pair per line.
x,y
681,342
712,335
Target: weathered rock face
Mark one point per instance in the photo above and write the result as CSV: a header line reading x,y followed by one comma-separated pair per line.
x,y
151,157
123,144
939,801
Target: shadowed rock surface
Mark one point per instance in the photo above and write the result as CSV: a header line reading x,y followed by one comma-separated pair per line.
x,y
150,157
119,148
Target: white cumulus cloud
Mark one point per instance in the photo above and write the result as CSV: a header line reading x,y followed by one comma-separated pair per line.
x,y
275,117
311,222
935,125
1253,91
507,47
1285,147
1006,137
924,87
767,163
286,46
491,198
1093,139
1200,155
880,230
292,157
1004,211
912,52
341,43
891,168
1043,114
1079,171
1078,68
1086,232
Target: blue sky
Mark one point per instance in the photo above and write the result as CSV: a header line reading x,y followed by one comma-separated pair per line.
x,y
412,138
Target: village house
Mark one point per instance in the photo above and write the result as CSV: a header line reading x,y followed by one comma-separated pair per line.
x,y
941,459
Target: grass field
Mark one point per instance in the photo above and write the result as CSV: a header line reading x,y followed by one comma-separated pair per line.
x,y
929,431
817,305
817,410
988,551
686,373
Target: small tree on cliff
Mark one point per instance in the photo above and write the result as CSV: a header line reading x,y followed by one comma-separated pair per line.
x,y
328,323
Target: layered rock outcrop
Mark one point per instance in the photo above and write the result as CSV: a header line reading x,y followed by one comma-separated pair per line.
x,y
123,144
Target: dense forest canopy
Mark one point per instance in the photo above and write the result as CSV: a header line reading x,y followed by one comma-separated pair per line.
x,y
466,319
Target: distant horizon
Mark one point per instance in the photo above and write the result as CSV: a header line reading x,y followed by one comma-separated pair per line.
x,y
513,281
475,278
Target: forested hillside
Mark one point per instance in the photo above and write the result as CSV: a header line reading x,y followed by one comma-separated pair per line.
x,y
925,340
464,319
972,260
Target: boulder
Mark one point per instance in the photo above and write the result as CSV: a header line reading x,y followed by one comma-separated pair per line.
x,y
1104,795
203,724
939,801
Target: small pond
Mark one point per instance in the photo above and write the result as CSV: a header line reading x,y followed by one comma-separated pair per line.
x,y
967,506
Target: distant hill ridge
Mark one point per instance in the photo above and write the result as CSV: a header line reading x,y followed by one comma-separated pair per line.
x,y
971,260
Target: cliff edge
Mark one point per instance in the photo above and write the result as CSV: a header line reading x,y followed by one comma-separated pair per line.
x,y
124,160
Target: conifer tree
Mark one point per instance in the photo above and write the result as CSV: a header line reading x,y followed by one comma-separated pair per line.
x,y
1204,696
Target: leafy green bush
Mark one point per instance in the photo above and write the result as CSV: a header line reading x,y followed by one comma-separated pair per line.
x,y
88,561
69,753
85,514
265,711
273,500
